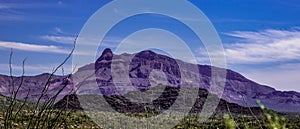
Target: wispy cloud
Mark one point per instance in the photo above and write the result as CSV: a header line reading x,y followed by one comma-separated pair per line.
x,y
28,4
35,69
2,6
14,11
60,39
265,36
8,12
271,47
264,46
58,30
11,17
33,47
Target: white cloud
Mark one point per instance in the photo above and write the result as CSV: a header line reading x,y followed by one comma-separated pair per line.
x,y
283,77
33,47
274,48
280,50
265,46
60,39
265,36
35,69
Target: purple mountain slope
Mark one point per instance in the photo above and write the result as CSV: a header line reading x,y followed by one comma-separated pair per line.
x,y
32,86
120,74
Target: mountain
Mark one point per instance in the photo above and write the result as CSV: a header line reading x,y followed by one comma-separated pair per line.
x,y
118,75
139,67
32,86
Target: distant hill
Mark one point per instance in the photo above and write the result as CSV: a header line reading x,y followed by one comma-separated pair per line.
x,y
35,84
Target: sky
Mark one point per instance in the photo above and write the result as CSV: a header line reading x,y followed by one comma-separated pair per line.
x,y
261,39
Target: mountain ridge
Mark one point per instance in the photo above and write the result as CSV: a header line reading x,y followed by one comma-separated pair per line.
x,y
238,89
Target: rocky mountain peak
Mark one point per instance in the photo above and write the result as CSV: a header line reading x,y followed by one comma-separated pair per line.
x,y
106,54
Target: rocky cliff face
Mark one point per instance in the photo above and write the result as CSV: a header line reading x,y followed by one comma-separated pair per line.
x,y
120,74
117,75
69,102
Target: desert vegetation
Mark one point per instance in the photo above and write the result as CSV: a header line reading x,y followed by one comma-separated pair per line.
x,y
78,119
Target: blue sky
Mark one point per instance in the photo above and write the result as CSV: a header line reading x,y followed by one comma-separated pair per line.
x,y
261,38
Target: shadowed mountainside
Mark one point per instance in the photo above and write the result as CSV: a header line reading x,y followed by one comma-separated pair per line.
x,y
123,105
